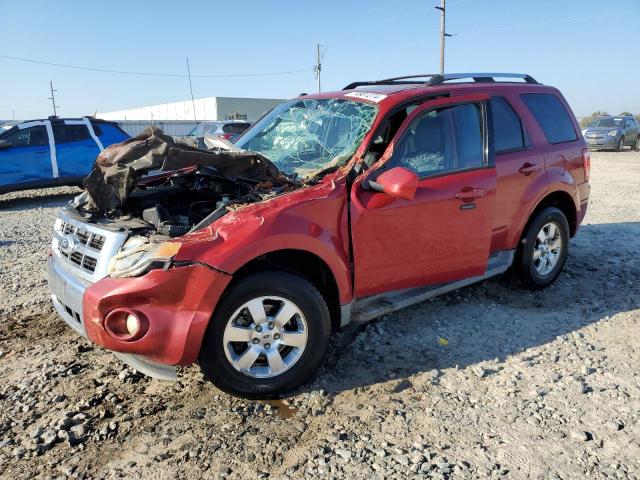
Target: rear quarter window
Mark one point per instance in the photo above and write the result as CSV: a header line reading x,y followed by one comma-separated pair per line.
x,y
508,134
552,116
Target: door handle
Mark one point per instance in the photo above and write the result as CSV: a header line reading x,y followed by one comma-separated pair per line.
x,y
528,168
469,193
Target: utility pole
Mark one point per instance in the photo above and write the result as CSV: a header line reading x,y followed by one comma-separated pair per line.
x,y
193,102
53,99
443,32
318,67
13,115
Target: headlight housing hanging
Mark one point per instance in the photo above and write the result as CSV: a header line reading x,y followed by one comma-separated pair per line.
x,y
138,256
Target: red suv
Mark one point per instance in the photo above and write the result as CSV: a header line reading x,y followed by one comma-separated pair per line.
x,y
360,202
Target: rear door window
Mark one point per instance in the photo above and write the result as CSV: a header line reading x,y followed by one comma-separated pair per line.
x,y
552,117
507,128
70,133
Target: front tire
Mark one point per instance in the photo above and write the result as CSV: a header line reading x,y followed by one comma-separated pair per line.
x,y
267,336
636,145
543,249
620,145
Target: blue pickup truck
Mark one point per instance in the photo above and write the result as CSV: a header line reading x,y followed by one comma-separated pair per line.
x,y
53,152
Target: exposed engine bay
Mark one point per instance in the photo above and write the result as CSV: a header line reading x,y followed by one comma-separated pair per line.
x,y
153,185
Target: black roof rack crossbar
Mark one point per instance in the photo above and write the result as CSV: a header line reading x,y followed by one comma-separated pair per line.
x,y
437,79
391,81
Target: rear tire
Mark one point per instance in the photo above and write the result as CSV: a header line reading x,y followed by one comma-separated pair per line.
x,y
543,249
280,321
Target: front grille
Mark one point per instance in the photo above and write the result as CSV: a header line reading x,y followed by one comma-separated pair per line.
x,y
83,237
85,248
94,241
89,263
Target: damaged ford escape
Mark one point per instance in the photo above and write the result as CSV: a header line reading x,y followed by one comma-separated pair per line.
x,y
333,208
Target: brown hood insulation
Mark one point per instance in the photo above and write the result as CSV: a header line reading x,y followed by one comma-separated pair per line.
x,y
119,166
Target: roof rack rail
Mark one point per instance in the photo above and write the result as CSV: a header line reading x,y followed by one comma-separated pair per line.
x,y
437,79
391,81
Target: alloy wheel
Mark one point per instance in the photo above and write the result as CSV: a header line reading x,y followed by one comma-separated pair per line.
x,y
265,337
547,249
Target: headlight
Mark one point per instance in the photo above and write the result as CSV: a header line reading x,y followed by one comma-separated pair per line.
x,y
584,132
139,255
613,133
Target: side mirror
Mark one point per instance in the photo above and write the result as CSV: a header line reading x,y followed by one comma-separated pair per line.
x,y
397,182
5,144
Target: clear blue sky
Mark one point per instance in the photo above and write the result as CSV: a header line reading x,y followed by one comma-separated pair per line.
x,y
589,49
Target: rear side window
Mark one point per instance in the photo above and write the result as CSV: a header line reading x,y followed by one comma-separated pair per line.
x,y
552,117
70,133
235,127
507,128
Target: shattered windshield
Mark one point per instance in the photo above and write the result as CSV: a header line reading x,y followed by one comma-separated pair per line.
x,y
306,136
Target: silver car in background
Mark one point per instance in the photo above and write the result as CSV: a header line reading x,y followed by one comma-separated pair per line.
x,y
227,129
613,133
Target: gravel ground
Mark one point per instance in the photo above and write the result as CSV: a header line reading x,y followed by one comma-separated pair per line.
x,y
529,384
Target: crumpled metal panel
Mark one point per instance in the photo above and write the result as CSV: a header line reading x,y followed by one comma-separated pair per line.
x,y
119,166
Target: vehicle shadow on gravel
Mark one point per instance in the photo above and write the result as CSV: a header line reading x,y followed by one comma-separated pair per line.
x,y
30,199
482,325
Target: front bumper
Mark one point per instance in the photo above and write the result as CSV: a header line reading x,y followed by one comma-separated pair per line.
x,y
177,302
603,143
177,306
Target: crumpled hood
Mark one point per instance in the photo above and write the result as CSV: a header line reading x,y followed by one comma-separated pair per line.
x,y
119,166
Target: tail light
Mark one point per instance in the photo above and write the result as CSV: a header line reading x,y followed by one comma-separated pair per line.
x,y
226,136
586,163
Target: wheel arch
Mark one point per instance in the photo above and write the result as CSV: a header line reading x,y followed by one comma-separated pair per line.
x,y
561,200
304,263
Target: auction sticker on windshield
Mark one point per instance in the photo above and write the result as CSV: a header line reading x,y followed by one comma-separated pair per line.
x,y
374,97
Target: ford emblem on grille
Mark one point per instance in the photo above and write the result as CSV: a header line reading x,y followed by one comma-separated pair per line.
x,y
67,243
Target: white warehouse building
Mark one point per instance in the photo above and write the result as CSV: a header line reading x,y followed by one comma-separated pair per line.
x,y
210,108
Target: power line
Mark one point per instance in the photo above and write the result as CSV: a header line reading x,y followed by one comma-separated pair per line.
x,y
150,74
